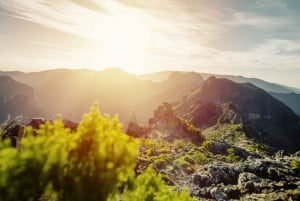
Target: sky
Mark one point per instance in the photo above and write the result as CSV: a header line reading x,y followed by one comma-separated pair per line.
x,y
253,38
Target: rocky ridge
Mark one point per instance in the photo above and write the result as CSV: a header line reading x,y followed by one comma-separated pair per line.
x,y
226,165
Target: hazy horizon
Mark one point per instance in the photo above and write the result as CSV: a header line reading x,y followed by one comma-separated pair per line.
x,y
258,39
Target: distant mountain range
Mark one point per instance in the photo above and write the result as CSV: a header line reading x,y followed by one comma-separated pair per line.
x,y
262,107
72,92
136,92
267,86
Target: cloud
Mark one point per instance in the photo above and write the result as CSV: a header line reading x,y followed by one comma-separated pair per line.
x,y
57,49
66,16
271,4
255,20
90,4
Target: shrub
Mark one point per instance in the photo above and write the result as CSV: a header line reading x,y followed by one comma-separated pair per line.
x,y
150,187
86,165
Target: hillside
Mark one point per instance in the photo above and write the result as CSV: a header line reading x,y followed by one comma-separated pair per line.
x,y
263,116
290,99
221,163
17,99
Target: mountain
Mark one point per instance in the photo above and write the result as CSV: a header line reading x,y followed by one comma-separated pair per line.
x,y
267,86
177,85
156,77
290,99
280,92
72,92
17,99
219,100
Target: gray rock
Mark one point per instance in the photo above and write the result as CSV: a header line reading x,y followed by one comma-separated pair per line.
x,y
217,194
297,154
247,180
247,176
202,180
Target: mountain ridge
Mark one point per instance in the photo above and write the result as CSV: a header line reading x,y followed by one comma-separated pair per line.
x,y
260,112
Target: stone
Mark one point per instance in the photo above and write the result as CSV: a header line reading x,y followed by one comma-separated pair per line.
x,y
202,180
246,177
217,194
36,122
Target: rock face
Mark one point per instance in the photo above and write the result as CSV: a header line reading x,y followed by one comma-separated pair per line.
x,y
166,125
135,130
224,101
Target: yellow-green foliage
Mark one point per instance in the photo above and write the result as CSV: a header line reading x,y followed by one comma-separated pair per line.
x,y
231,157
206,145
150,187
295,164
254,147
189,127
200,157
85,165
89,164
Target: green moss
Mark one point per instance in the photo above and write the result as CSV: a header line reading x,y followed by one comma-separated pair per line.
x,y
231,157
206,145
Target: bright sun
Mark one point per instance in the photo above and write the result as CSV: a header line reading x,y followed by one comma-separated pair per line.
x,y
122,43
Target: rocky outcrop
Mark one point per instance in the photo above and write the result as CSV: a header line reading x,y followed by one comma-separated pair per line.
x,y
35,123
166,125
270,178
135,130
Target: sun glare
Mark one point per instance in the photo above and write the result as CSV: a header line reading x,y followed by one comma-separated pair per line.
x,y
121,42
124,41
